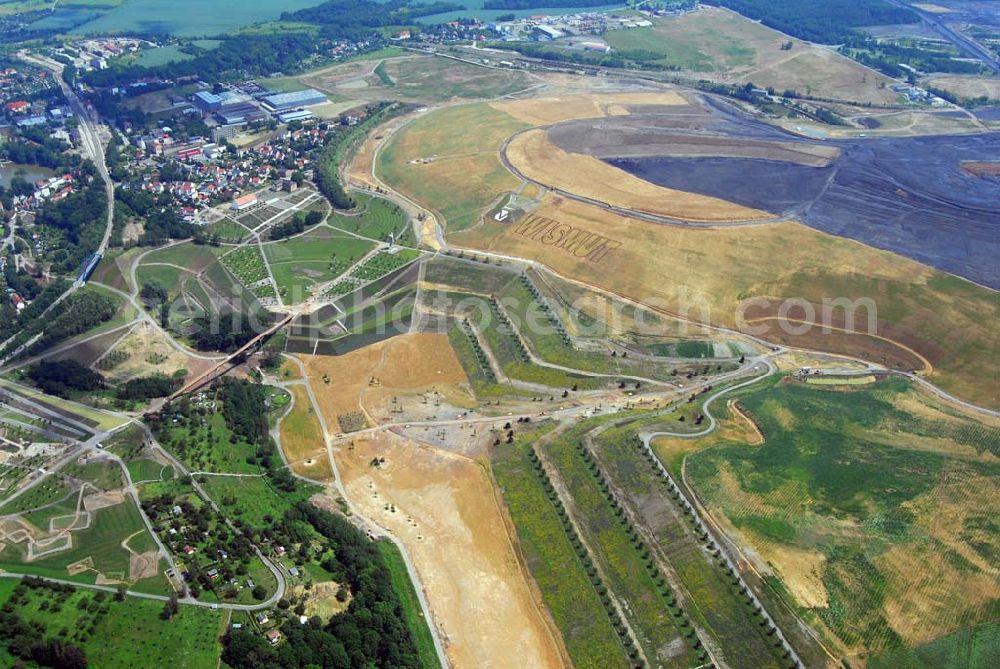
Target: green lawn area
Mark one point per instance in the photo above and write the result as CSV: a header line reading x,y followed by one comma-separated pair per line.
x,y
302,262
407,594
228,230
376,220
567,590
123,635
105,475
188,254
52,489
251,498
145,469
101,542
166,275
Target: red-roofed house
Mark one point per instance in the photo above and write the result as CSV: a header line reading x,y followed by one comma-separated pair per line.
x,y
17,107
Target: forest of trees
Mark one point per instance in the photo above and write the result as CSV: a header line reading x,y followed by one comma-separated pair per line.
x,y
64,377
370,633
824,21
636,59
533,4
80,216
148,387
227,331
338,142
34,146
243,56
161,219
243,407
79,312
298,223
357,17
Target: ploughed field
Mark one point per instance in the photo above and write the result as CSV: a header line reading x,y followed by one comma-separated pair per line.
x,y
909,195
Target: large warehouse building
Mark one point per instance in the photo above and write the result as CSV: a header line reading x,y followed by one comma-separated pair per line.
x,y
280,102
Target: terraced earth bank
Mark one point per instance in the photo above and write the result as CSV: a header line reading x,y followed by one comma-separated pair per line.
x,y
909,195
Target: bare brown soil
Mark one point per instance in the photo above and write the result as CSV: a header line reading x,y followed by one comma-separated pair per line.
x,y
366,380
143,565
443,508
982,169
544,111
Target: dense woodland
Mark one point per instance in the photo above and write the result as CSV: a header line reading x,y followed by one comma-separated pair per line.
x,y
64,377
300,222
34,146
824,21
161,219
227,331
80,218
370,633
357,17
338,142
533,4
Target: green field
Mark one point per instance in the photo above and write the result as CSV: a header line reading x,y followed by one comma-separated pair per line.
x,y
250,499
852,479
188,255
228,230
145,469
300,263
121,635
376,219
412,611
431,79
103,475
101,542
186,18
52,489
465,175
466,275
550,556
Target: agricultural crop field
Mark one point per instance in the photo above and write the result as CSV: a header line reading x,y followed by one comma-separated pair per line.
x,y
187,18
844,498
247,264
